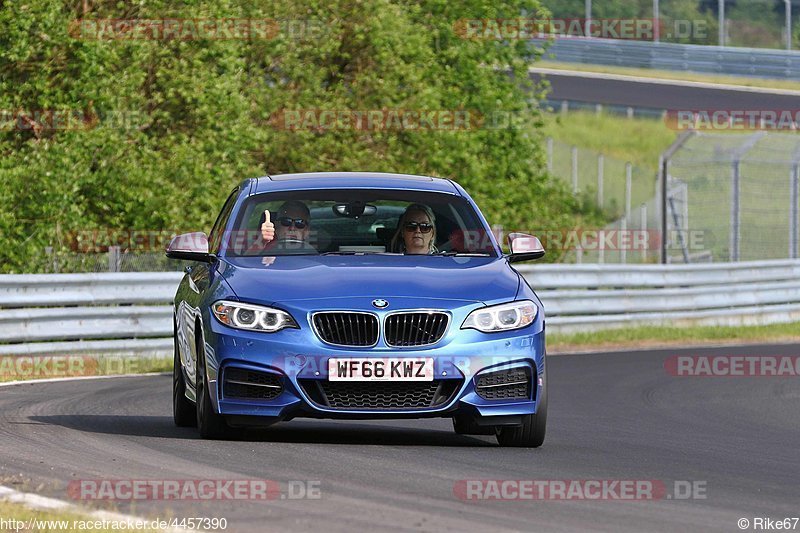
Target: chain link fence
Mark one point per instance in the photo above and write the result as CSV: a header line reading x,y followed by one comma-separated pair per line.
x,y
741,194
114,260
624,192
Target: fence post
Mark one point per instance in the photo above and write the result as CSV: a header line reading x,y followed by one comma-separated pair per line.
x,y
623,252
643,223
113,258
628,189
663,193
550,154
574,152
795,177
600,168
735,213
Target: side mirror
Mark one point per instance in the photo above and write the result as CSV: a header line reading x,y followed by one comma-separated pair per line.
x,y
524,247
191,246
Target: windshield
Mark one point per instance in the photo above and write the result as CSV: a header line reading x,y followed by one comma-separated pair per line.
x,y
357,222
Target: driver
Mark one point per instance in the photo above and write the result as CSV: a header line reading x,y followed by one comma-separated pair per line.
x,y
291,224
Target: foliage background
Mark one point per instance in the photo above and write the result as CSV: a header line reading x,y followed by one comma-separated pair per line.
x,y
179,123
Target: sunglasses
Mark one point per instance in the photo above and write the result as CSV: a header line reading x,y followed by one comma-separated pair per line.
x,y
424,227
299,223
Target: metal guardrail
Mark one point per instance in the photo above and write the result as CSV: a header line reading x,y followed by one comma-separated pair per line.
x,y
592,297
755,62
46,314
104,313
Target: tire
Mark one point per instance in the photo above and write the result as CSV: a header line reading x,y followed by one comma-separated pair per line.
x,y
210,423
532,431
183,410
467,426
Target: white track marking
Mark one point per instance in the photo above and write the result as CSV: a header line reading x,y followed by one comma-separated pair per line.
x,y
81,378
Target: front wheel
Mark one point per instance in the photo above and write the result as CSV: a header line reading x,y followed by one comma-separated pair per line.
x,y
210,423
183,410
531,433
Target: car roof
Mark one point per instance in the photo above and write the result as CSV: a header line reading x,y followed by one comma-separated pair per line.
x,y
352,180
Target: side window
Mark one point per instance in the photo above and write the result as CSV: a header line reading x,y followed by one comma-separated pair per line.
x,y
215,237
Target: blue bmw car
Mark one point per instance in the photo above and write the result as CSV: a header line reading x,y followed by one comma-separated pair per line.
x,y
357,296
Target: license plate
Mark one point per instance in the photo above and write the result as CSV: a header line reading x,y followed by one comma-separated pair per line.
x,y
380,369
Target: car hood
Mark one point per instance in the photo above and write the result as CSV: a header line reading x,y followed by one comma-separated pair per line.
x,y
287,278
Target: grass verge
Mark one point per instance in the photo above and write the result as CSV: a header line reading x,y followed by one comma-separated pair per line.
x,y
674,75
18,518
636,140
657,336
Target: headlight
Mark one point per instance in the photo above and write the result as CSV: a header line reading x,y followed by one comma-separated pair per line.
x,y
503,317
252,317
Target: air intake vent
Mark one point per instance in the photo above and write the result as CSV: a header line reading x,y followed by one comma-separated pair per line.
x,y
344,328
513,384
381,395
250,384
418,328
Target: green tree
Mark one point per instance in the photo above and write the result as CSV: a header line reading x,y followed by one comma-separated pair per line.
x,y
171,125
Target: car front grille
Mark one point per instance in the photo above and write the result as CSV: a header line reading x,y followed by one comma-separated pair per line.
x,y
250,385
381,395
513,384
346,328
417,328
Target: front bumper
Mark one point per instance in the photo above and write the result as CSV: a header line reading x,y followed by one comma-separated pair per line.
x,y
297,360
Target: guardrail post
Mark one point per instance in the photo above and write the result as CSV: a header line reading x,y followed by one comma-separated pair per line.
x,y
735,213
564,107
795,177
600,168
550,154
574,153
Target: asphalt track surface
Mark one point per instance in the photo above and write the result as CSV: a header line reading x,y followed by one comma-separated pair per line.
x,y
612,416
661,94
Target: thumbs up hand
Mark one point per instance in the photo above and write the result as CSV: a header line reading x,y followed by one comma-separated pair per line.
x,y
267,228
